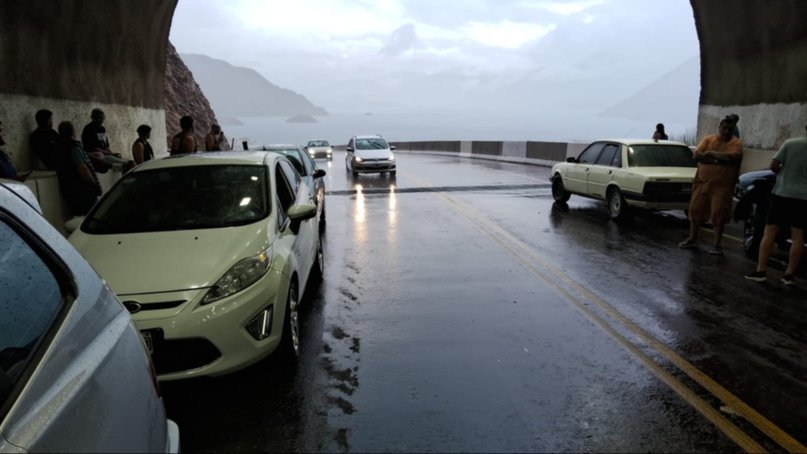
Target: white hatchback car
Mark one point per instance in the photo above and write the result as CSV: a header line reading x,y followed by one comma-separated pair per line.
x,y
210,252
369,154
628,173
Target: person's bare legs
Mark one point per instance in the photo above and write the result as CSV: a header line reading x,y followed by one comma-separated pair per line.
x,y
718,228
694,229
766,246
796,250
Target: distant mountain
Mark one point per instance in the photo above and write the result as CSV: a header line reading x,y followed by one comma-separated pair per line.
x,y
671,98
235,91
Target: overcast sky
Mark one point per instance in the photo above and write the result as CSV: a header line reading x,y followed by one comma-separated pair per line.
x,y
413,54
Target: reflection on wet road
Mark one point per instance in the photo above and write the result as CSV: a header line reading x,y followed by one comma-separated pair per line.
x,y
463,311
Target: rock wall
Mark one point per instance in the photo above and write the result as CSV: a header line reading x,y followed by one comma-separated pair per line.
x,y
184,97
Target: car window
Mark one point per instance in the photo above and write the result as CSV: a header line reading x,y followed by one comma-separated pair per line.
x,y
657,155
608,154
294,156
285,194
591,153
291,176
183,198
308,164
31,300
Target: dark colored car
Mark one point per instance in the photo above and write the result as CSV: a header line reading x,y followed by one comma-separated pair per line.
x,y
752,196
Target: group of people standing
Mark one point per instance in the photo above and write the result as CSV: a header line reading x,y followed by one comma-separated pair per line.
x,y
719,157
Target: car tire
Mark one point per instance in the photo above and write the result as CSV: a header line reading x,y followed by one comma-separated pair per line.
x,y
752,233
392,173
290,340
322,219
559,192
617,208
318,267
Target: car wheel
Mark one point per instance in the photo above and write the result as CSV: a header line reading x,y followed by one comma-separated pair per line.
x,y
322,219
752,234
559,192
617,208
318,267
392,173
290,342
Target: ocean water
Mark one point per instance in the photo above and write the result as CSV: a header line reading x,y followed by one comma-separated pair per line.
x,y
551,126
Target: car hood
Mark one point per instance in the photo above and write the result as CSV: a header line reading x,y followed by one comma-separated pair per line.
x,y
168,261
373,154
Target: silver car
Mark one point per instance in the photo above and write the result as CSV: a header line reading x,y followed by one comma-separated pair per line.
x,y
369,154
319,149
74,374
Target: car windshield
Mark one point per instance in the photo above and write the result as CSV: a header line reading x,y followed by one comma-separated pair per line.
x,y
183,198
371,144
318,143
660,156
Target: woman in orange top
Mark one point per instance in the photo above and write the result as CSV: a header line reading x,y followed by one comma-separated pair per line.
x,y
719,156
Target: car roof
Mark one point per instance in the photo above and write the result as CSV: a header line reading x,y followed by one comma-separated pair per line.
x,y
629,142
22,191
211,158
368,136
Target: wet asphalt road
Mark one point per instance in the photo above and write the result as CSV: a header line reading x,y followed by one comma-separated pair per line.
x,y
463,311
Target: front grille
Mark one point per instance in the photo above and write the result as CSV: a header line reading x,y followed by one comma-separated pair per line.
x,y
176,355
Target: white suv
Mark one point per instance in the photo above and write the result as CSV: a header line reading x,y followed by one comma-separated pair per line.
x,y
369,154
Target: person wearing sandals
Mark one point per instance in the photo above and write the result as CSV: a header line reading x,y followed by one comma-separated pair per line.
x,y
718,157
788,206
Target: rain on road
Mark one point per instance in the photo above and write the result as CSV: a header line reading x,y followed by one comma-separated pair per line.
x,y
463,311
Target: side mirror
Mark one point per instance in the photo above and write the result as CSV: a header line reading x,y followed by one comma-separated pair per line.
x,y
299,213
349,149
319,173
392,147
571,159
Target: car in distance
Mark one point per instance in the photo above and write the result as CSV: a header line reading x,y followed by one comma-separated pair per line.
x,y
319,149
627,174
369,154
74,373
210,252
307,168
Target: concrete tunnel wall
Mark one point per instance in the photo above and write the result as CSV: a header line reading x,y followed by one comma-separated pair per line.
x,y
73,55
754,64
70,56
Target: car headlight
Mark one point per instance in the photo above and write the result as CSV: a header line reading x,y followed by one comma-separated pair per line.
x,y
329,150
240,276
358,159
391,158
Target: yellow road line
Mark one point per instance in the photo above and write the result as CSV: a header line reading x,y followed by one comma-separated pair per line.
x,y
506,239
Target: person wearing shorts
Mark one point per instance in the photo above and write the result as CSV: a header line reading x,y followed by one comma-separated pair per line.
x,y
788,207
718,157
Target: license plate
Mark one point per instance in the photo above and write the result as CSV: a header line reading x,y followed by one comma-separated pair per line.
x,y
147,339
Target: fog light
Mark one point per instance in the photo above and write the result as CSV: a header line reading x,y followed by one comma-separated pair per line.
x,y
260,327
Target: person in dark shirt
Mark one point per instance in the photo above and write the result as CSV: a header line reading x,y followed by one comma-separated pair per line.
x,y
7,169
141,148
77,179
659,133
95,141
44,139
